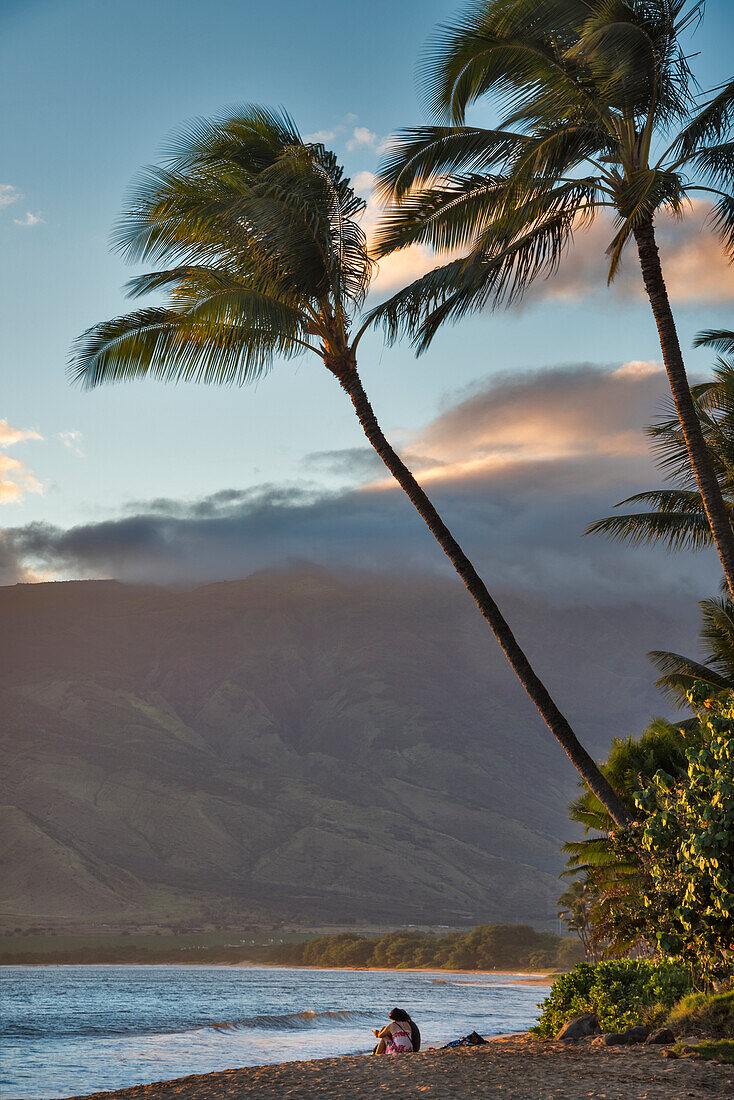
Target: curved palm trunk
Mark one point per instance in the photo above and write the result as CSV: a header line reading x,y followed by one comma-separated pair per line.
x,y
537,691
708,486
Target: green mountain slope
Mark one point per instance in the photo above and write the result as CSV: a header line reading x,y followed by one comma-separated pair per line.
x,y
295,746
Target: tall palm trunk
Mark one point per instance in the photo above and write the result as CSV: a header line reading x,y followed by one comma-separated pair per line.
x,y
708,486
347,375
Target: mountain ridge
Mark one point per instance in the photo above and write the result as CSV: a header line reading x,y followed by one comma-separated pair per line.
x,y
299,746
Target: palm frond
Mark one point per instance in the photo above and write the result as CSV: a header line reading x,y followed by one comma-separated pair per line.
x,y
674,530
709,125
250,136
722,222
679,674
721,339
445,218
418,155
494,273
515,50
226,341
262,242
405,311
717,635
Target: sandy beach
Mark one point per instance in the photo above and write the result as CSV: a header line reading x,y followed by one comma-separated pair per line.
x,y
509,1068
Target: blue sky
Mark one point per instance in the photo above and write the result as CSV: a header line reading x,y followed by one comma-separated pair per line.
x,y
90,92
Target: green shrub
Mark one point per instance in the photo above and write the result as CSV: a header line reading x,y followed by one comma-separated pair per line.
x,y
698,1014
622,992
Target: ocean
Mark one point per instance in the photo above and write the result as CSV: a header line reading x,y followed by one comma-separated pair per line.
x,y
70,1030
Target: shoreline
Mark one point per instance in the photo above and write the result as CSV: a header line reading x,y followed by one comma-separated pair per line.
x,y
527,977
532,977
512,1067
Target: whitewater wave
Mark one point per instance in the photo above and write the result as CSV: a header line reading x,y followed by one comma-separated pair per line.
x,y
290,1020
287,1021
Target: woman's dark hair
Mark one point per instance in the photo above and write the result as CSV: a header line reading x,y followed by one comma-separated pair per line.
x,y
399,1016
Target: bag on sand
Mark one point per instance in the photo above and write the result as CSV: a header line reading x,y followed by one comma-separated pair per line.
x,y
471,1040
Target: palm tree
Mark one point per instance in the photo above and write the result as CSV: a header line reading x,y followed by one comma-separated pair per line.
x,y
269,260
575,907
599,112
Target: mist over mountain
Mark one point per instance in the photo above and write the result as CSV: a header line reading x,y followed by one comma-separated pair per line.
x,y
298,746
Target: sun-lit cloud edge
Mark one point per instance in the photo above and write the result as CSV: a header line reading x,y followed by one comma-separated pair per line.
x,y
16,478
695,265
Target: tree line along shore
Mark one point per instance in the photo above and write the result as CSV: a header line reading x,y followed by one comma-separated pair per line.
x,y
487,947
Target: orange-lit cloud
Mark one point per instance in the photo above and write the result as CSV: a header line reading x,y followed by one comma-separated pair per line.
x,y
400,268
695,265
16,480
10,435
15,477
566,414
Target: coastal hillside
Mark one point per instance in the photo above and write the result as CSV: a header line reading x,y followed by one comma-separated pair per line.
x,y
295,746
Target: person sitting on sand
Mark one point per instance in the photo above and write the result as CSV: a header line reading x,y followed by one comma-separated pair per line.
x,y
400,1036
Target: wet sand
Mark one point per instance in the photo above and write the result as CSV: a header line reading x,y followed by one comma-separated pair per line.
x,y
509,1068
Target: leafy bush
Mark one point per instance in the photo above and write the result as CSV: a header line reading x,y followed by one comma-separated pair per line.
x,y
698,1014
622,992
687,841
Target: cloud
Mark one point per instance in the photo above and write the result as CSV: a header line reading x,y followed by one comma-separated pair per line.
x,y
400,268
320,137
694,263
30,219
16,480
364,138
567,413
15,477
357,463
357,137
10,435
8,194
72,441
360,463
518,467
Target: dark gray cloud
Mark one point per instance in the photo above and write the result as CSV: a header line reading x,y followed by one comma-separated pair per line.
x,y
517,467
350,462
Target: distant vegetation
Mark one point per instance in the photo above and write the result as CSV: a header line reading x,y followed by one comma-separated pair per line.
x,y
508,946
488,947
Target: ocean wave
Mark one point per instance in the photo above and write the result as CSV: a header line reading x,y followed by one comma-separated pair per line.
x,y
287,1021
290,1020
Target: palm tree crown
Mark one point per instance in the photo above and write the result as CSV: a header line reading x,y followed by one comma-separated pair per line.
x,y
598,112
267,257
